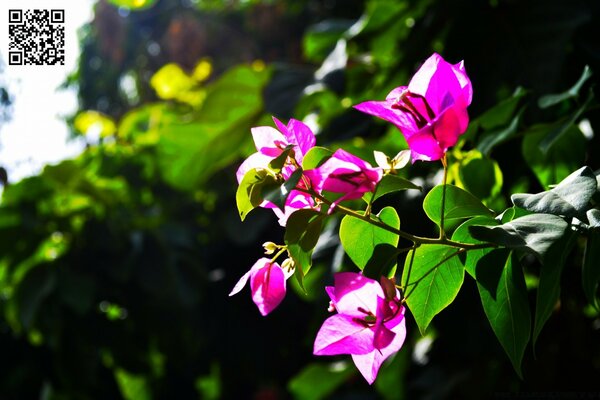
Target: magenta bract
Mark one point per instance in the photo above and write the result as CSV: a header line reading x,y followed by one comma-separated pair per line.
x,y
267,283
367,326
345,173
270,143
431,111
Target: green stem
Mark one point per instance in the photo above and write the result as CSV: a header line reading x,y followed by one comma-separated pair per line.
x,y
398,232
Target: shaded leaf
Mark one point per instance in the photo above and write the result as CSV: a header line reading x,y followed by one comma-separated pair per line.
x,y
534,232
590,273
504,297
570,198
470,258
249,192
548,291
552,99
317,380
302,232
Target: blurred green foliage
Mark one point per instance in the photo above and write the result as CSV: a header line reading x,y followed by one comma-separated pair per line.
x,y
115,266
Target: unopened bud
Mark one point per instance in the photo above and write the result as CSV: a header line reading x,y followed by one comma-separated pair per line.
x,y
270,247
288,264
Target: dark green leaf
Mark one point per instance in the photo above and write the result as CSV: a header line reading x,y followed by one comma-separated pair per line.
x,y
360,238
552,99
502,113
317,381
548,291
382,263
590,273
393,183
491,139
302,232
470,258
481,176
504,297
279,193
278,162
534,232
459,204
570,198
432,282
563,157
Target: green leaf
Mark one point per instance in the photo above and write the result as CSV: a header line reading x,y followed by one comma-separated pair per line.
x,y
249,192
561,127
133,387
491,139
501,114
504,297
548,290
481,176
552,99
459,204
383,262
315,157
432,282
31,292
279,194
393,183
534,233
317,380
470,258
360,238
570,198
302,232
590,272
276,165
563,157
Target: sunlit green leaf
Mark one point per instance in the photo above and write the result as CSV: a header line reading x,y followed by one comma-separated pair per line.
x,y
393,183
432,277
360,238
249,194
315,157
459,204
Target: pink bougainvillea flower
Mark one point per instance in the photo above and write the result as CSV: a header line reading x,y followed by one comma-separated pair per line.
x,y
431,111
368,325
345,173
267,283
270,143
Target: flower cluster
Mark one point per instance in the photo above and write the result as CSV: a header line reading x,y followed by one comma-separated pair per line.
x,y
369,324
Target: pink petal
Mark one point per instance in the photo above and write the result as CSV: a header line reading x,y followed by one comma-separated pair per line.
x,y
464,82
240,284
268,287
450,125
342,334
383,109
354,291
369,364
260,263
301,135
256,160
424,146
268,141
437,82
